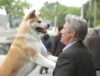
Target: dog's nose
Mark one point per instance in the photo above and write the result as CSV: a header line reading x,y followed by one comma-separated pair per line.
x,y
48,25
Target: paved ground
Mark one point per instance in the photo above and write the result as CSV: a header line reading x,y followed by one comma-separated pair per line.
x,y
36,72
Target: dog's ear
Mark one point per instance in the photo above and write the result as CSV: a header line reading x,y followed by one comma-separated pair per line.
x,y
31,15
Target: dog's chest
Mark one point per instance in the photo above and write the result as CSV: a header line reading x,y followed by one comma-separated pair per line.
x,y
36,44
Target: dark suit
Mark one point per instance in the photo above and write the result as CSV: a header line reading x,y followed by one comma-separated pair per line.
x,y
75,61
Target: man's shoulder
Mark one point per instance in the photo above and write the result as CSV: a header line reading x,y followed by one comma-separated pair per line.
x,y
75,49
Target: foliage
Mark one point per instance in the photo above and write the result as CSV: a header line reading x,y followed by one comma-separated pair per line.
x,y
14,8
90,15
49,10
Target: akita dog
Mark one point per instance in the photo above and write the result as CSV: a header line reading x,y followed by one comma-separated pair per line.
x,y
27,49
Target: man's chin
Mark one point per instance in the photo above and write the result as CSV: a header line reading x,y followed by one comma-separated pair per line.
x,y
63,42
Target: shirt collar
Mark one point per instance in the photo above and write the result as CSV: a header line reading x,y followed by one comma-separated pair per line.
x,y
68,45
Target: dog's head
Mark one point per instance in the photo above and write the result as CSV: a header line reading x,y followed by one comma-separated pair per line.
x,y
35,22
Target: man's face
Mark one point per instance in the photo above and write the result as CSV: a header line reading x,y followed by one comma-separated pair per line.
x,y
66,34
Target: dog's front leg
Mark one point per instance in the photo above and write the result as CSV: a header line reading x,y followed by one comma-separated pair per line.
x,y
49,56
43,61
53,58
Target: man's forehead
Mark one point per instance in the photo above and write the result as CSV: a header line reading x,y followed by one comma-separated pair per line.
x,y
66,24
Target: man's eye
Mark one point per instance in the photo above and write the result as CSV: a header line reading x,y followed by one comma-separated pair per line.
x,y
39,21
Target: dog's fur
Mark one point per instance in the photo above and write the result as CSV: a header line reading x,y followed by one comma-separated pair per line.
x,y
27,49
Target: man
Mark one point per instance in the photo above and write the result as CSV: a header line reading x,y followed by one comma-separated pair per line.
x,y
75,60
92,41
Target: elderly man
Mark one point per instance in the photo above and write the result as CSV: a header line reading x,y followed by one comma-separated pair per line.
x,y
75,60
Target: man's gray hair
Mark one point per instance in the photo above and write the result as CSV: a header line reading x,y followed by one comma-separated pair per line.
x,y
77,25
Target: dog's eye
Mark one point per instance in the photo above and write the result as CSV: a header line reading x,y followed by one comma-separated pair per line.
x,y
39,21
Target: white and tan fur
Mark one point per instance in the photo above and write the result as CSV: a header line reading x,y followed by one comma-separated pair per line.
x,y
27,49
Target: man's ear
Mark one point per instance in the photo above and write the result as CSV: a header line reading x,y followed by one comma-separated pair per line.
x,y
31,15
73,34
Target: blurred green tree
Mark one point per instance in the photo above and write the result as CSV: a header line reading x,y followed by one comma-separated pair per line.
x,y
14,8
91,12
49,10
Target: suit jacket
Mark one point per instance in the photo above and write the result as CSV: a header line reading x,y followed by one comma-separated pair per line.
x,y
75,61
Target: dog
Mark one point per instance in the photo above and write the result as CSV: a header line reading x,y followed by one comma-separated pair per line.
x,y
27,50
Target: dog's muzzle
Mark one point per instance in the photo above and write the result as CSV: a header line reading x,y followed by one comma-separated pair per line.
x,y
42,30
